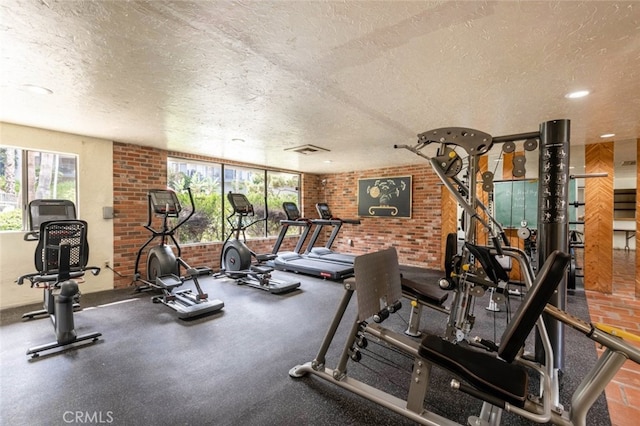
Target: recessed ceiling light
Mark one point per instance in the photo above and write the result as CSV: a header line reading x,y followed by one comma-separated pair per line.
x,y
577,94
607,135
37,89
328,161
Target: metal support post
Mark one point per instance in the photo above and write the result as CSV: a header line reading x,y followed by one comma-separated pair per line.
x,y
553,220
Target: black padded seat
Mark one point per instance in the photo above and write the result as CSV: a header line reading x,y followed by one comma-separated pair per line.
x,y
423,292
487,373
492,375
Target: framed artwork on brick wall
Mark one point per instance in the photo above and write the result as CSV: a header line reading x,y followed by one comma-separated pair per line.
x,y
385,197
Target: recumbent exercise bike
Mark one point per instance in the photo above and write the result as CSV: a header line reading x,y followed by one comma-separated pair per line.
x,y
60,258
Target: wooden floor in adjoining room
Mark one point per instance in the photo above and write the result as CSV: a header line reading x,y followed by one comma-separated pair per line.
x,y
621,309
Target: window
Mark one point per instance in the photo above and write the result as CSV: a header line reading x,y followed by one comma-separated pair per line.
x,y
249,182
281,187
210,182
205,182
29,175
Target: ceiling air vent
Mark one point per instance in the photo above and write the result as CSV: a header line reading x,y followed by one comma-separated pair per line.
x,y
307,149
628,163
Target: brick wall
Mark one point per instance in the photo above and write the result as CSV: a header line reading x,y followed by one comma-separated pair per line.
x,y
138,169
417,239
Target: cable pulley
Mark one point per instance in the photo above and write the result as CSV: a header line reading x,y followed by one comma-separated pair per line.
x,y
509,147
519,169
530,144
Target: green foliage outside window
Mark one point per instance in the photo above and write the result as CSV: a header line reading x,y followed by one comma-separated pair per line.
x,y
209,184
28,175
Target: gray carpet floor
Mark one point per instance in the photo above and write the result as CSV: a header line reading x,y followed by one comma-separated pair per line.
x,y
229,368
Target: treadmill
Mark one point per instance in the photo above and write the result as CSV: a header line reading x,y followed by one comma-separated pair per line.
x,y
325,253
295,261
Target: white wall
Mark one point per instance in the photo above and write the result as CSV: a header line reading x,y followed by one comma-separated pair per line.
x,y
625,177
95,161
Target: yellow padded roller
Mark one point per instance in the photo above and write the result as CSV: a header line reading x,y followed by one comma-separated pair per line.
x,y
614,331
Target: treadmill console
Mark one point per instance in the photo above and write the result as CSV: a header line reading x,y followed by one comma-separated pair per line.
x,y
164,202
240,203
291,210
324,211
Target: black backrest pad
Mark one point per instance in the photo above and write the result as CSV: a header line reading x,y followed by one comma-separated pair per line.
x,y
55,233
490,264
544,285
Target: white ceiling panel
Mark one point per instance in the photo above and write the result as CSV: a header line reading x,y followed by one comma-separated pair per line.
x,y
353,77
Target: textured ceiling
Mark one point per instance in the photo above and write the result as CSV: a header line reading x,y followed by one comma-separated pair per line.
x,y
353,77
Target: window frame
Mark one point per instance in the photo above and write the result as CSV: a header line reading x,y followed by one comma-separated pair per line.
x,y
263,229
25,175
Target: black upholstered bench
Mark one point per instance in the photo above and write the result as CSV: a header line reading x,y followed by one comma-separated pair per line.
x,y
428,294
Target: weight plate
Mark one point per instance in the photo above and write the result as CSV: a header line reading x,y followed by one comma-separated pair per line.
x,y
524,233
487,176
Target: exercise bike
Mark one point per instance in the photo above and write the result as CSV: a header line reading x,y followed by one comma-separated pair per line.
x,y
60,259
43,210
236,259
163,266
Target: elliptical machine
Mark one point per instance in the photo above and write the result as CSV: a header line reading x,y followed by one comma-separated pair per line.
x,y
163,266
236,258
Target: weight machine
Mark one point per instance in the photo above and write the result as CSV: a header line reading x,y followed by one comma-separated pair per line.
x,y
448,164
500,376
552,140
